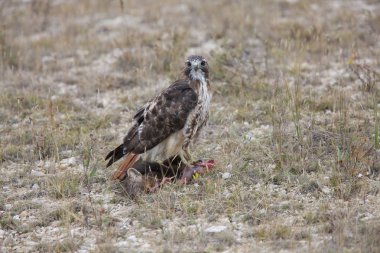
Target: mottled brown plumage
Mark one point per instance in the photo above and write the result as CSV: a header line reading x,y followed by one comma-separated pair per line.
x,y
167,124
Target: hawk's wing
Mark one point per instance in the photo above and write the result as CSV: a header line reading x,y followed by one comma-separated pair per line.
x,y
157,120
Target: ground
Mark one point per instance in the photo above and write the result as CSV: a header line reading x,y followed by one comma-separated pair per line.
x,y
294,125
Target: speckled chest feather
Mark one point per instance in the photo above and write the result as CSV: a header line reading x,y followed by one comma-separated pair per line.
x,y
199,116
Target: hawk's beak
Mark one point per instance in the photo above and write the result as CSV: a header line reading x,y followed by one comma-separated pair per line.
x,y
196,67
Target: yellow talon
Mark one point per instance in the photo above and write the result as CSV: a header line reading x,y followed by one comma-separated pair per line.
x,y
195,175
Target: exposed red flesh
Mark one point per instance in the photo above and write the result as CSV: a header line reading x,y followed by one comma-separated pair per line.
x,y
200,167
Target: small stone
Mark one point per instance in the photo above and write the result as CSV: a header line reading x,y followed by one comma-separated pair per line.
x,y
215,229
66,152
249,136
360,175
146,245
37,173
30,243
47,164
326,190
2,234
132,238
8,206
68,161
226,175
35,187
226,193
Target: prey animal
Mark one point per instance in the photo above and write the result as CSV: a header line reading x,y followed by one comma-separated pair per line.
x,y
167,125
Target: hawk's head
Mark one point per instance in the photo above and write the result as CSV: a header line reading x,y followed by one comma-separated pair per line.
x,y
196,68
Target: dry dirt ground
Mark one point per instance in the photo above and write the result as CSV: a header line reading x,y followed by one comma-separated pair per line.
x,y
294,125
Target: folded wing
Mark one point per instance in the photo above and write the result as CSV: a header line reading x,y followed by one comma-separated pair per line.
x,y
156,121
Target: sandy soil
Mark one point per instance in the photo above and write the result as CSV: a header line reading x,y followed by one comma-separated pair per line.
x,y
294,125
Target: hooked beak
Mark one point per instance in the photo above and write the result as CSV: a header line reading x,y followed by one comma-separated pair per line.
x,y
196,67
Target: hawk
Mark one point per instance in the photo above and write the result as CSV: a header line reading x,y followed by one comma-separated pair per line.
x,y
166,125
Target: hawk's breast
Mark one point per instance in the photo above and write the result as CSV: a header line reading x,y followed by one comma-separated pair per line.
x,y
199,115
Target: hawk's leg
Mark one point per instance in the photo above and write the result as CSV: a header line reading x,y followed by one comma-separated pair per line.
x,y
186,156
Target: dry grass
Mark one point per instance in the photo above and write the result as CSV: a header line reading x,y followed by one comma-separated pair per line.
x,y
294,125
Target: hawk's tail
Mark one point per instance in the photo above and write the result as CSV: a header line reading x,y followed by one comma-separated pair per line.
x,y
128,162
115,155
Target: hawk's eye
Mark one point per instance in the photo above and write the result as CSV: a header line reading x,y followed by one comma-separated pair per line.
x,y
188,63
203,63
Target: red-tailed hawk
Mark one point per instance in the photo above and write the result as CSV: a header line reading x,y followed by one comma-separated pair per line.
x,y
167,125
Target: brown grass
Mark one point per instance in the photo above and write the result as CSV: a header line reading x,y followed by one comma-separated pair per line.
x,y
294,125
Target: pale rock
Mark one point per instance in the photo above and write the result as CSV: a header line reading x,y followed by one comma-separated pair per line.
x,y
249,136
292,1
366,217
262,211
132,238
66,152
37,173
8,206
35,187
226,193
146,245
30,243
71,161
226,175
121,244
2,234
82,53
47,60
47,164
326,190
265,127
215,229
